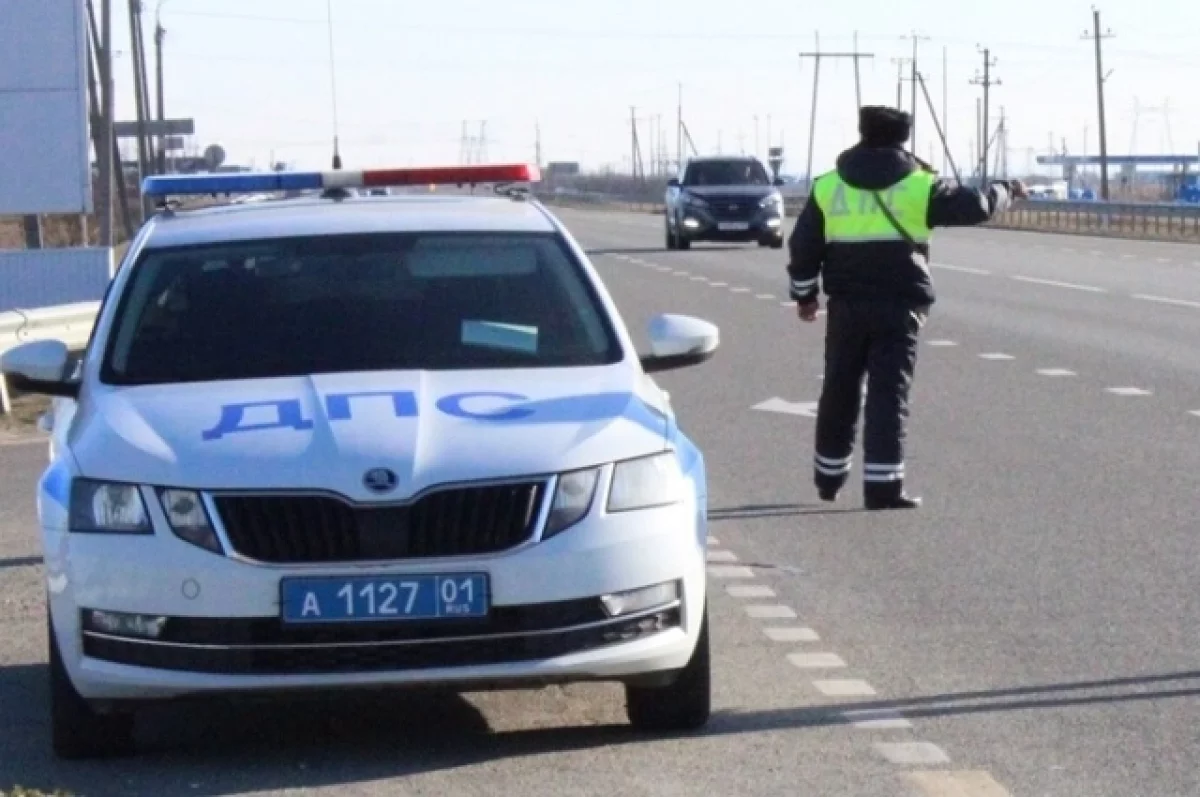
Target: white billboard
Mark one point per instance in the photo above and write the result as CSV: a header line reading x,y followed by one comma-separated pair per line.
x,y
44,148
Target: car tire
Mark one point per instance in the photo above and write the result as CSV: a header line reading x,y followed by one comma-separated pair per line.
x,y
777,243
683,705
77,730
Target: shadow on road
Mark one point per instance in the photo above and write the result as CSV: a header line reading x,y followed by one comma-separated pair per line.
x,y
217,747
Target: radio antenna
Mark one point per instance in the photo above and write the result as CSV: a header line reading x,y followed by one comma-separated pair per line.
x,y
337,157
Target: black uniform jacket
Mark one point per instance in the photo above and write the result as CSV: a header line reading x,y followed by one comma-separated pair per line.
x,y
881,269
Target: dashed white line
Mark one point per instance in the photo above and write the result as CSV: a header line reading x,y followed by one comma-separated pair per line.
x,y
1127,257
1162,260
1127,391
713,540
680,274
740,290
787,304
996,355
722,556
940,343
699,279
764,296
770,612
1096,253
730,571
844,687
791,634
977,783
876,719
912,752
815,661
1164,300
1058,284
963,269
750,591
1055,372
719,284
1194,412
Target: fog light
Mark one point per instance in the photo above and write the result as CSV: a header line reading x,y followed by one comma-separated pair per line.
x,y
121,624
619,604
692,223
774,222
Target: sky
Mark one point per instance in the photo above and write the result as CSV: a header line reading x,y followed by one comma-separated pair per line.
x,y
256,76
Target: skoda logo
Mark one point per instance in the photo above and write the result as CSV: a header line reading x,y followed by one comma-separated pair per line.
x,y
380,480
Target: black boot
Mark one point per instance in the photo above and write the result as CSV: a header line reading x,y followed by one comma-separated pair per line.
x,y
890,495
827,494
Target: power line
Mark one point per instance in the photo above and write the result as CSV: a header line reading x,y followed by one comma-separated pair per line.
x,y
987,82
916,39
817,55
1101,77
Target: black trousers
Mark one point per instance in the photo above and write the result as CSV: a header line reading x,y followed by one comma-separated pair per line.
x,y
875,339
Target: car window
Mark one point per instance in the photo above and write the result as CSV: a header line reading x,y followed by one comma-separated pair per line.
x,y
739,172
287,307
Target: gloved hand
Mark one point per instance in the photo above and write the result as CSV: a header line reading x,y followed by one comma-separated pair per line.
x,y
1016,188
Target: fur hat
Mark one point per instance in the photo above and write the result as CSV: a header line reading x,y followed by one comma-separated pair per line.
x,y
881,126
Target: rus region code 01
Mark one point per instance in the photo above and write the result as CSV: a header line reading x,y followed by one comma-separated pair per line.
x,y
350,599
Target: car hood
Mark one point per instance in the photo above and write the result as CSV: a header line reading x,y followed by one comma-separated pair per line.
x,y
326,431
747,191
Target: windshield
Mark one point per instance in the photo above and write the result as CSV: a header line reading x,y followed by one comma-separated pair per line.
x,y
736,172
289,307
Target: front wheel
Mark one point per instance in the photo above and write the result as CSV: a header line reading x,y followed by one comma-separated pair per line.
x,y
683,705
77,730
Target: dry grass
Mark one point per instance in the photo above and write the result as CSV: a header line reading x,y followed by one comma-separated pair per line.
x,y
22,421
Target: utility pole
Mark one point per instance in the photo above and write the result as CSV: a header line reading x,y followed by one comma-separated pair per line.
x,y
537,142
900,62
817,55
916,39
987,82
1101,77
106,151
679,133
945,105
159,34
635,158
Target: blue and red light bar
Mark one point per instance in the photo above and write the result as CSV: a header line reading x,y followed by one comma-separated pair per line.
x,y
260,182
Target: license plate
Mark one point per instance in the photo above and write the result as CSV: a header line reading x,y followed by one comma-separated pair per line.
x,y
358,599
730,226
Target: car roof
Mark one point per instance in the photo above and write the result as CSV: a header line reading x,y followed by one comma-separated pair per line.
x,y
315,215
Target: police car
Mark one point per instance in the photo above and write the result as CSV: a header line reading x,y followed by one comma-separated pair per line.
x,y
350,441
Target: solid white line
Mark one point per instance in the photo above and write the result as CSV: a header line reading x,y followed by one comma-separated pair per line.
x,y
963,269
848,687
1055,372
912,753
1127,391
770,612
791,634
1057,284
996,356
750,591
812,661
1181,302
722,556
730,571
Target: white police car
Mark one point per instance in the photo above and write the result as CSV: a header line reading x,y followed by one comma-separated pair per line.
x,y
350,441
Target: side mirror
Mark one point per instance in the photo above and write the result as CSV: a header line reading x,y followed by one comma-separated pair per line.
x,y
673,182
40,366
679,341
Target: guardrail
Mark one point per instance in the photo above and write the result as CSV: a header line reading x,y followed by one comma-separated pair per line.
x,y
1156,222
70,323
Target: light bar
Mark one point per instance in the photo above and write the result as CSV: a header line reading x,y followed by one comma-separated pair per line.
x,y
259,182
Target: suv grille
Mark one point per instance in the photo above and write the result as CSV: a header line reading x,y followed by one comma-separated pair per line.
x,y
738,208
454,522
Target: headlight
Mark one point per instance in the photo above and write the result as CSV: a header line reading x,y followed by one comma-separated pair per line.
x,y
694,201
572,500
108,508
774,200
646,482
189,520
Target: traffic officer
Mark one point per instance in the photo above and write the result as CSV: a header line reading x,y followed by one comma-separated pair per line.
x,y
864,233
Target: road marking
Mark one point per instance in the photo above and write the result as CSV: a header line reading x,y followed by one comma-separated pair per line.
x,y
912,752
730,571
740,290
1181,302
876,719
1127,391
1096,253
680,274
1068,249
957,784
663,269
995,355
760,611
791,634
788,304
963,269
713,540
699,279
776,404
722,556
1162,260
814,661
1057,284
764,296
1055,372
940,343
1194,412
719,284
750,591
638,261
844,687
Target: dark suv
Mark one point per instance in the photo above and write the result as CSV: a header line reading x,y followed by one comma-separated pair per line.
x,y
724,198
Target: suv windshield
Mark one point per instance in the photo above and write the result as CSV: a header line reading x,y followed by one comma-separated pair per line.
x,y
296,306
731,172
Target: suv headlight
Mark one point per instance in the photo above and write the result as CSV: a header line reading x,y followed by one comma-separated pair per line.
x,y
572,500
107,508
189,519
773,200
646,482
694,201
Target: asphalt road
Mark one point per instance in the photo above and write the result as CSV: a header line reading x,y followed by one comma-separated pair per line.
x,y
1026,633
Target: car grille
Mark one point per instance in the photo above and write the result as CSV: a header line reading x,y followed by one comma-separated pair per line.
x,y
733,208
452,522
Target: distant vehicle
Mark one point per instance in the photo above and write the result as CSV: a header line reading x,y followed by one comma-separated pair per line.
x,y
347,441
724,198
